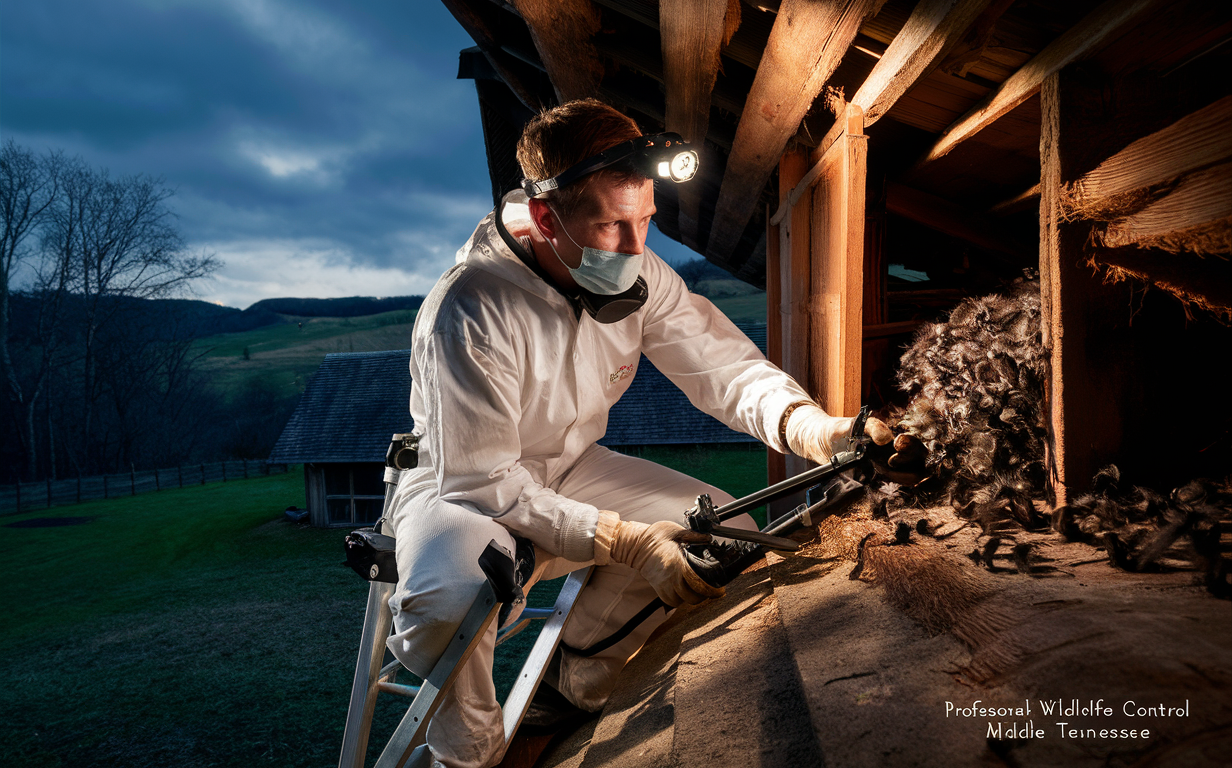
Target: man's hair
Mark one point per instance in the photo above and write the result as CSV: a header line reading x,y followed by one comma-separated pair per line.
x,y
559,138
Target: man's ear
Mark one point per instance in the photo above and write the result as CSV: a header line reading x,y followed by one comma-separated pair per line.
x,y
542,216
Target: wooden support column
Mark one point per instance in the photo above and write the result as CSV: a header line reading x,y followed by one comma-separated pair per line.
x,y
1078,312
794,276
837,279
778,269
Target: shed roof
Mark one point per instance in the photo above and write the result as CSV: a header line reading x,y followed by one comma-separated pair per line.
x,y
357,400
349,410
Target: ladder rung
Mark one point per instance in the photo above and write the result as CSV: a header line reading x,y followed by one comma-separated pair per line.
x,y
398,689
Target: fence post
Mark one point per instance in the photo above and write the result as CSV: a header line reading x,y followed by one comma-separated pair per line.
x,y
19,494
245,468
132,479
224,470
203,473
49,492
78,487
105,485
157,485
179,470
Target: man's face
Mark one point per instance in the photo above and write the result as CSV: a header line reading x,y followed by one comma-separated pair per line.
x,y
611,216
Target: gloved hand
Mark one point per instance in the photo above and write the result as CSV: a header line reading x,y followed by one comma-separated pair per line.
x,y
655,552
814,434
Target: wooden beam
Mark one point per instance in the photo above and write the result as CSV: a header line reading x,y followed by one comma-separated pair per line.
x,y
837,281
475,26
794,273
1088,36
1123,180
776,465
563,32
952,219
934,27
808,40
1201,204
1019,202
1088,354
693,33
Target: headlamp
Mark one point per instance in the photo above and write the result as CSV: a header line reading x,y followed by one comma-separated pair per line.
x,y
658,156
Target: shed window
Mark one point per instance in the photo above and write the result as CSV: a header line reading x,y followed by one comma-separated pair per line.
x,y
354,493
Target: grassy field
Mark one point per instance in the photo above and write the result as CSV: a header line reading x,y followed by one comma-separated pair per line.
x,y
285,355
195,627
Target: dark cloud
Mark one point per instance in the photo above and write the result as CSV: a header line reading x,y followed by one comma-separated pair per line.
x,y
301,137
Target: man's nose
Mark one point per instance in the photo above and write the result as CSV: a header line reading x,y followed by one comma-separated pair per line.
x,y
632,240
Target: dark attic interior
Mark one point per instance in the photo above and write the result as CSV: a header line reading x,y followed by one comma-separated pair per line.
x,y
1006,226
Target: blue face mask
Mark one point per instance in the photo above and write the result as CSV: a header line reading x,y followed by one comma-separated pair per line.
x,y
603,272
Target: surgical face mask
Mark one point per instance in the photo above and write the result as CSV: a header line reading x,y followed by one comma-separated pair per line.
x,y
603,272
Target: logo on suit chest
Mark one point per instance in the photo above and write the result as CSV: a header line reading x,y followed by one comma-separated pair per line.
x,y
623,372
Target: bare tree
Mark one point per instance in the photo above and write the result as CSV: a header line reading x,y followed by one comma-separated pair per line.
x,y
114,239
29,186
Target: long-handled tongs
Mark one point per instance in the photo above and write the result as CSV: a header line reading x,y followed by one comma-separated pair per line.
x,y
706,518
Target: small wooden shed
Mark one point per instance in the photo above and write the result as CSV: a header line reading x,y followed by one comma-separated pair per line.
x,y
849,143
340,431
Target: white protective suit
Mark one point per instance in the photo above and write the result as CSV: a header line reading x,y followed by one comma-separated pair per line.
x,y
511,388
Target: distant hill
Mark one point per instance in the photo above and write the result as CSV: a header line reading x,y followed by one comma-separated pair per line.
x,y
196,319
351,306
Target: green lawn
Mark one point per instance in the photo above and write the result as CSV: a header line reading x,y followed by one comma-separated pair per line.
x,y
195,627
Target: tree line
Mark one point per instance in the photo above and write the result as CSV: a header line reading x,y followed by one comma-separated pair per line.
x,y
94,381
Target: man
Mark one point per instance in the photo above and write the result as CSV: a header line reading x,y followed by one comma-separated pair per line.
x,y
518,352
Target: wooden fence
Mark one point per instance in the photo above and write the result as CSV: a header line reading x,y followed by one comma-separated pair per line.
x,y
25,497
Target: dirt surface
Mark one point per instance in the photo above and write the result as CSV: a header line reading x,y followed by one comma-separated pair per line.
x,y
887,652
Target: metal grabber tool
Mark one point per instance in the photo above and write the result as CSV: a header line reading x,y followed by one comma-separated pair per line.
x,y
732,549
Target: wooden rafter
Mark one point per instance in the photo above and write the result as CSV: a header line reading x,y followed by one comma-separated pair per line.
x,y
563,32
1086,37
934,27
693,33
806,45
481,33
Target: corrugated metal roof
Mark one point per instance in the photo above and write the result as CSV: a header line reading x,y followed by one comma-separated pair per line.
x,y
357,400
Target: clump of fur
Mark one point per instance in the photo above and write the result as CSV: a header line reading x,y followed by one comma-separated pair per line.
x,y
977,387
1140,527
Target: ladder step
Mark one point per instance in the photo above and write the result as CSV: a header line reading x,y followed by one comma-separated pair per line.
x,y
398,689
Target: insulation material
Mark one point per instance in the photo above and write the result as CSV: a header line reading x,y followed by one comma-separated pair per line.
x,y
977,386
1141,529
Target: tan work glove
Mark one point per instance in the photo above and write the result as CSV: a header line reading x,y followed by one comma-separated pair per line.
x,y
655,552
814,434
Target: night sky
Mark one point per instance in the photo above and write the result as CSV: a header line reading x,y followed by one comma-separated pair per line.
x,y
318,149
